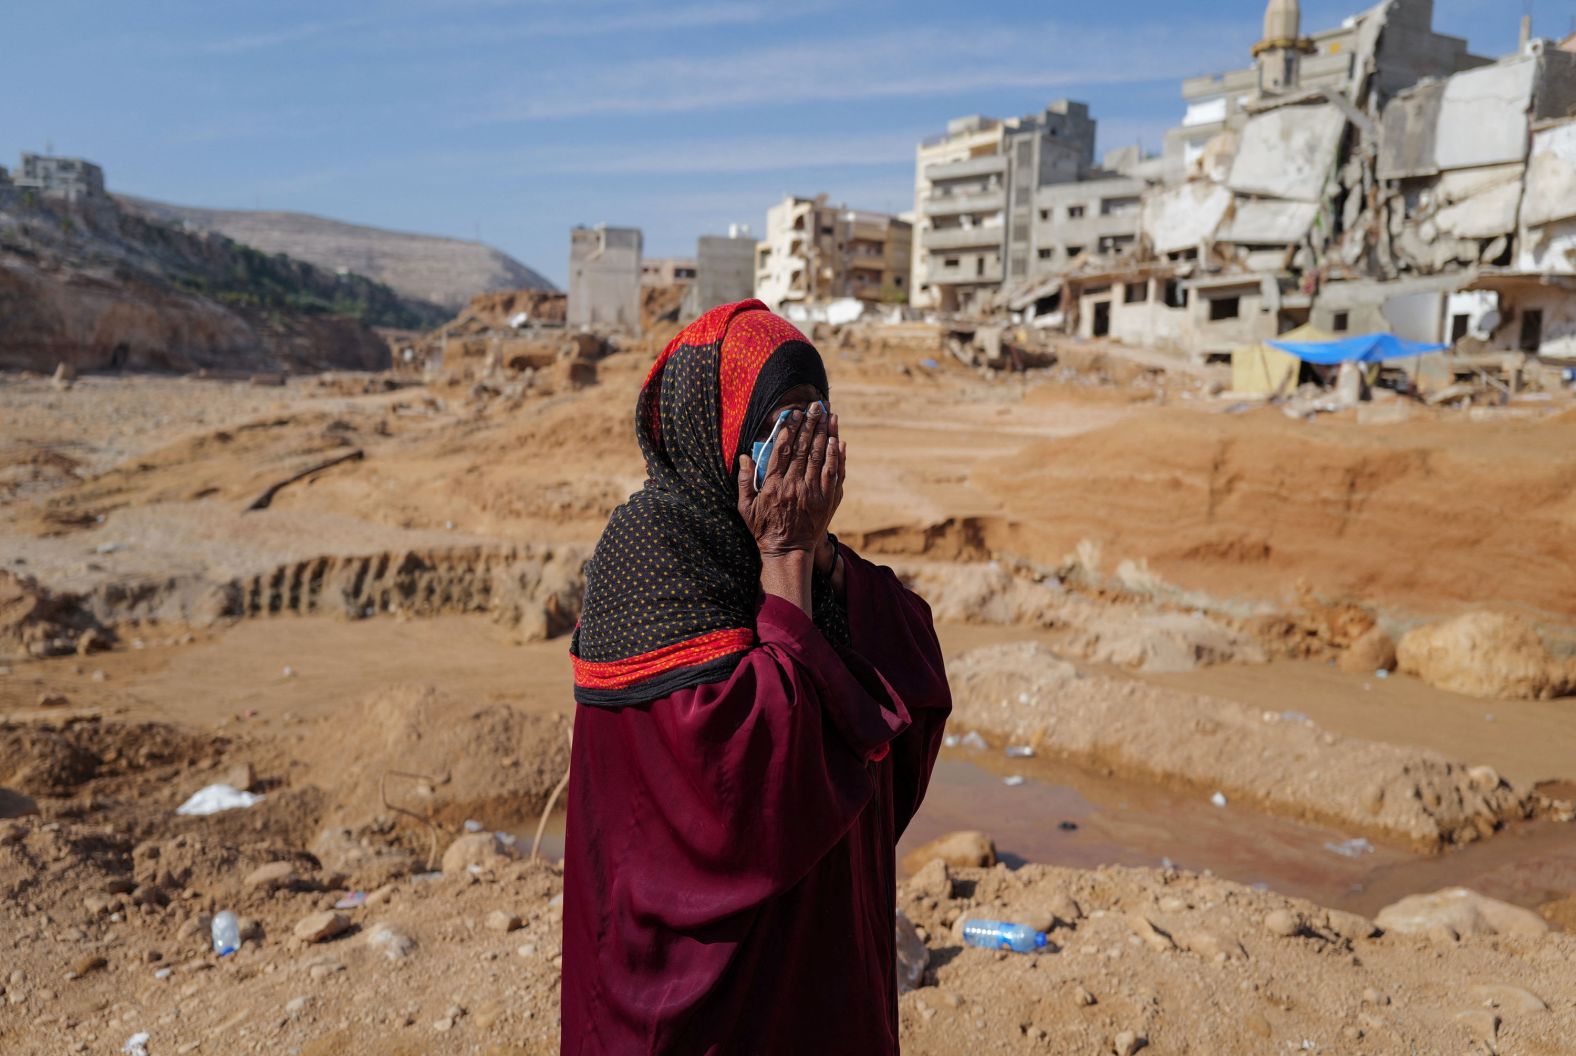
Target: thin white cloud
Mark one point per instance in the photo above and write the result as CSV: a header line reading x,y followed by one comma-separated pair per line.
x,y
903,63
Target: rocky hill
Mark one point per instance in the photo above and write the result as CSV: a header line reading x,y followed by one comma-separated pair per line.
x,y
442,271
95,286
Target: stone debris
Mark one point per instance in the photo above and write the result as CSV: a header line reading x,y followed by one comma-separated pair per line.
x,y
957,849
322,926
1458,912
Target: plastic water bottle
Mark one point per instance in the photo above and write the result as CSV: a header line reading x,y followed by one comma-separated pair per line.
x,y
1000,935
226,933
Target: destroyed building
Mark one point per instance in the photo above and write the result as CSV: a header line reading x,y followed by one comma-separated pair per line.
x,y
1378,176
667,271
604,277
64,179
815,252
725,271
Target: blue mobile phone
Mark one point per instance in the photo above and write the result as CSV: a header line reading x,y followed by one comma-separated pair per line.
x,y
762,451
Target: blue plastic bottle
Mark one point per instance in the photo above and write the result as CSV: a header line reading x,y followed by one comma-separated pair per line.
x,y
1000,935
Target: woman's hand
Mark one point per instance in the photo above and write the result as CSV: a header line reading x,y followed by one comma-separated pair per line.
x,y
802,487
790,514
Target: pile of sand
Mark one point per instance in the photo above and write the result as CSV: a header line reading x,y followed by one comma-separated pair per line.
x,y
1486,654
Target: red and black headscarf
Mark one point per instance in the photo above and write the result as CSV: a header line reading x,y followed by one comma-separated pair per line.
x,y
672,589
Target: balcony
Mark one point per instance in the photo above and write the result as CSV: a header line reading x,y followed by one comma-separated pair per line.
x,y
957,170
993,201
968,275
962,237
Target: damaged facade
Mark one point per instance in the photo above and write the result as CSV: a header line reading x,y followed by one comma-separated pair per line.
x,y
1378,176
66,179
604,277
816,252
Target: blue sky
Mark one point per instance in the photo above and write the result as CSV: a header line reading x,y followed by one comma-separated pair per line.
x,y
510,120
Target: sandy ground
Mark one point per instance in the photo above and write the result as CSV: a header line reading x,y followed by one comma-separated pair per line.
x,y
1142,533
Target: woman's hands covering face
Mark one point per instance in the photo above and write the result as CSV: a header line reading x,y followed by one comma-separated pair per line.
x,y
803,485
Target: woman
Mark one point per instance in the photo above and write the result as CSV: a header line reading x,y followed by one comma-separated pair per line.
x,y
759,712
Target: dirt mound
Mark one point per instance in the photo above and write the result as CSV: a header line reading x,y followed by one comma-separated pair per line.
x,y
49,759
661,303
1282,763
537,589
498,310
1134,633
1406,516
1486,654
35,621
1178,963
438,758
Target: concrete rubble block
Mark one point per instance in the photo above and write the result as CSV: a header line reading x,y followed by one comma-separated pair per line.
x,y
1483,115
1180,218
1261,222
484,850
1551,176
1461,912
320,927
1288,152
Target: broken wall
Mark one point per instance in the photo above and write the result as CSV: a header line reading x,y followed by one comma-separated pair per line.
x,y
1181,218
1288,152
1483,115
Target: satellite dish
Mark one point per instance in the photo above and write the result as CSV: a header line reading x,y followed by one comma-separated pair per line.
x,y
1487,323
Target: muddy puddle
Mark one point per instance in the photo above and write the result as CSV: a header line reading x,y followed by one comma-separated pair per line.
x,y
1060,815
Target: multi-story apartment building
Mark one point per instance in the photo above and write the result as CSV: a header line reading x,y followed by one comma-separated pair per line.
x,y
987,199
815,251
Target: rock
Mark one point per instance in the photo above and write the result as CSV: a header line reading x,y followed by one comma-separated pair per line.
x,y
395,944
90,963
1486,654
912,955
192,927
320,927
64,377
1127,1043
934,880
1153,937
1461,911
1481,1024
1373,651
527,949
1348,926
296,1005
1211,946
1283,923
270,877
240,776
960,850
1484,778
324,969
372,866
1507,998
93,641
500,921
1083,998
54,700
444,1025
15,805
484,850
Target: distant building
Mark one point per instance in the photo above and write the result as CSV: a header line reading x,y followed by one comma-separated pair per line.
x,y
5,178
815,251
667,271
991,196
725,266
604,277
64,179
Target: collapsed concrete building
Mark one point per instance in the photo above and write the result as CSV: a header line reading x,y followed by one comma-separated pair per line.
x,y
604,277
816,252
1374,177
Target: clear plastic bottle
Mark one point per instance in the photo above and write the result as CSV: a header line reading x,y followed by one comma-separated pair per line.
x,y
226,933
1001,935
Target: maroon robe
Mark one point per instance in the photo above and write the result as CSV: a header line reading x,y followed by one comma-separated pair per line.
x,y
729,863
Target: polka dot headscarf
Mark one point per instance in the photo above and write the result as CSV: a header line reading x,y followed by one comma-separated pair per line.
x,y
671,590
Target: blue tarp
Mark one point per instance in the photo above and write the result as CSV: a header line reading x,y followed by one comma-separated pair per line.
x,y
1369,348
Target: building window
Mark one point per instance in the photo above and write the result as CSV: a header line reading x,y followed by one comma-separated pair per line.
x,y
1341,322
897,280
949,262
1135,293
1075,212
1176,294
1073,251
1045,254
1221,308
1045,214
827,231
1531,330
1460,326
1118,206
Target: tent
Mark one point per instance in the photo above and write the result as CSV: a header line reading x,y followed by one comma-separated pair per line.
x,y
1263,370
1368,348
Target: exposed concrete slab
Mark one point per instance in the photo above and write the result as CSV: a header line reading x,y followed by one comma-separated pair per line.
x,y
1407,133
1180,218
1551,176
1262,222
1487,212
1288,153
1483,115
